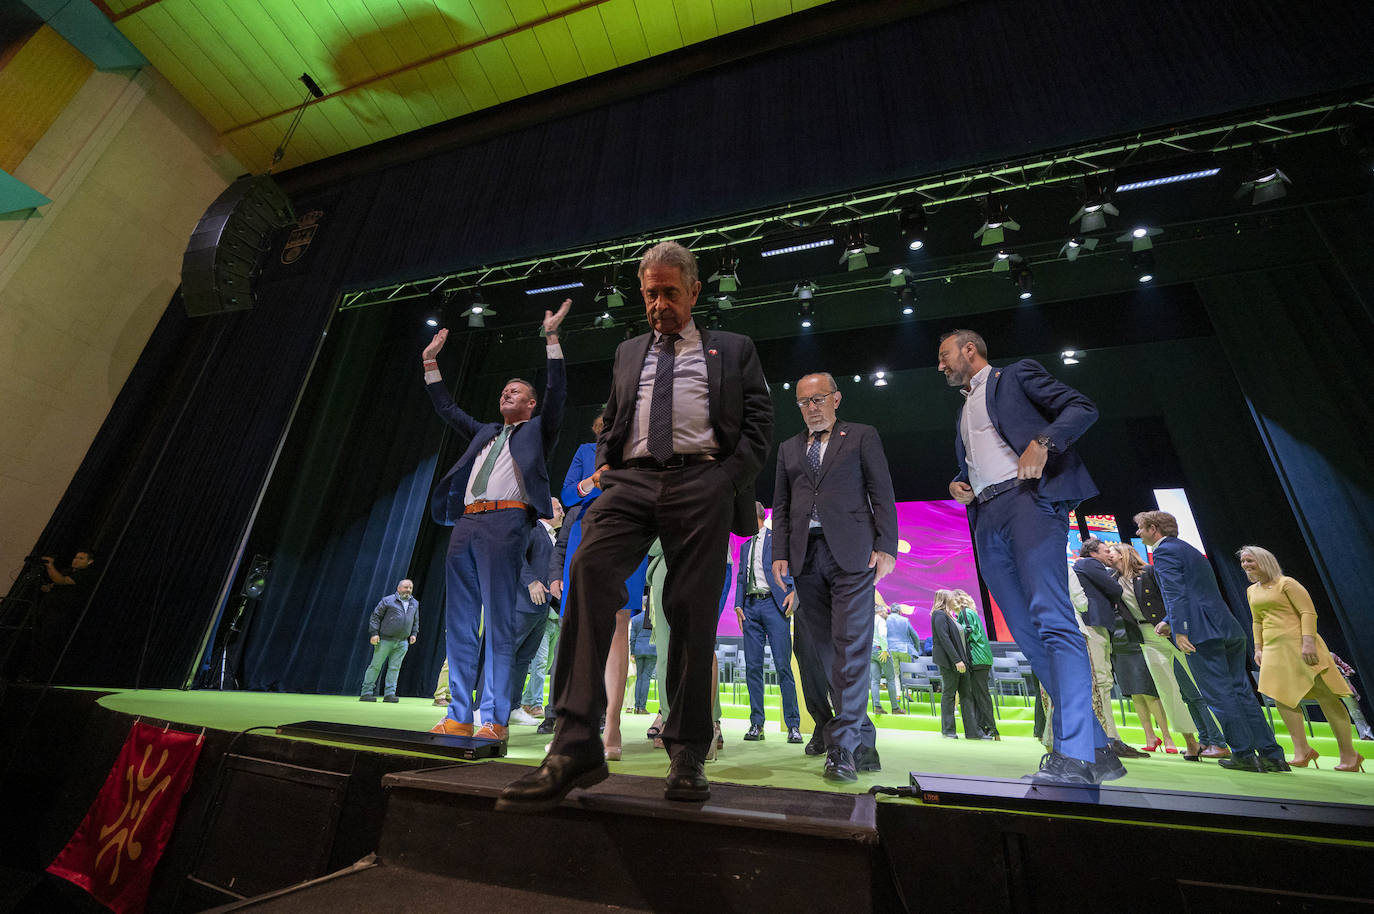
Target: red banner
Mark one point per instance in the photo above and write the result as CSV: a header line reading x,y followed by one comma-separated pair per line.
x,y
114,850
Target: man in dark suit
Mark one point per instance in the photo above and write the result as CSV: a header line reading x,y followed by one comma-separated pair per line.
x,y
835,531
490,498
1204,628
763,608
687,426
1019,479
533,606
1105,608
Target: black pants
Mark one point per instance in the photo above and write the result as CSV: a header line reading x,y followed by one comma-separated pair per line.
x,y
689,509
982,699
953,682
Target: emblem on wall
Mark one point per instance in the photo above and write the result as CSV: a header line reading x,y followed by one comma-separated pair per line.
x,y
301,236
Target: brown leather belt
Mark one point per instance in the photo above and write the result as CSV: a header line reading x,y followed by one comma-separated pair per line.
x,y
482,507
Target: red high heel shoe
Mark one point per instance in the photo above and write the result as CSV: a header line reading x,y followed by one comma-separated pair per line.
x,y
1300,761
1358,766
1172,750
1152,747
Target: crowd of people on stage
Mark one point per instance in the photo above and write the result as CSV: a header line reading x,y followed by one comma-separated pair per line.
x,y
638,567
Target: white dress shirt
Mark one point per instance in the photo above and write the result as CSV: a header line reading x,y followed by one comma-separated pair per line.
x,y
988,456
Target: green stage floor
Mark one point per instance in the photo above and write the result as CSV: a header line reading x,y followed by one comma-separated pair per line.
x,y
906,743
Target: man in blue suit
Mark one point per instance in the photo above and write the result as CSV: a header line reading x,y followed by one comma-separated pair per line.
x,y
1019,479
763,608
490,498
533,605
1203,628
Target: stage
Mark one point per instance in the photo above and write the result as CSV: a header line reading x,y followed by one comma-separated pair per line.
x,y
267,813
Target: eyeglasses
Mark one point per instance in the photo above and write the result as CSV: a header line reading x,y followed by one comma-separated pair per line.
x,y
817,402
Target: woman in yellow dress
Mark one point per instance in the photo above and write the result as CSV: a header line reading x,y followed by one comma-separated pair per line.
x,y
1293,660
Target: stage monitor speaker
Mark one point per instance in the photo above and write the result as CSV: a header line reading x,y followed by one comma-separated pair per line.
x,y
225,252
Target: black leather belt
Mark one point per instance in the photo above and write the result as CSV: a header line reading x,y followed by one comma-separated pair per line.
x,y
988,493
813,532
672,463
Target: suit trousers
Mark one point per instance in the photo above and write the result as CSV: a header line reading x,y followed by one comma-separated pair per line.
x,y
1020,540
837,614
1218,665
1100,659
529,635
689,509
482,571
1208,730
954,683
762,620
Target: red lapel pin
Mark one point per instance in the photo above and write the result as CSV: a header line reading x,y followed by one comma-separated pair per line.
x,y
712,351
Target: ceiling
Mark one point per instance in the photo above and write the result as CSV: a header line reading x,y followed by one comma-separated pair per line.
x,y
388,67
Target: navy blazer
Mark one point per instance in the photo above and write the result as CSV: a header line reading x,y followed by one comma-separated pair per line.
x,y
530,445
852,495
1103,590
778,594
1025,401
1192,600
534,566
739,407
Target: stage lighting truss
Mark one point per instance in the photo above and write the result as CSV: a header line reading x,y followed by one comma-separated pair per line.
x,y
1168,155
1075,246
996,222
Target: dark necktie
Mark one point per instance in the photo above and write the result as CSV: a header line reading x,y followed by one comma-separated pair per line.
x,y
813,458
661,401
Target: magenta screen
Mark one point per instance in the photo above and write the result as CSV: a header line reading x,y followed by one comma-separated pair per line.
x,y
934,552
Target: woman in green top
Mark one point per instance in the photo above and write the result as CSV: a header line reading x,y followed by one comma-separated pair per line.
x,y
981,652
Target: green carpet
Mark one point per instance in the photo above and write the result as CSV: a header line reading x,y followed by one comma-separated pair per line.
x,y
906,743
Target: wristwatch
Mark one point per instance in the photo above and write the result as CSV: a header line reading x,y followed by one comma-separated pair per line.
x,y
1045,441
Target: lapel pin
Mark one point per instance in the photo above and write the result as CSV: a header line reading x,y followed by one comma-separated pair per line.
x,y
843,433
712,352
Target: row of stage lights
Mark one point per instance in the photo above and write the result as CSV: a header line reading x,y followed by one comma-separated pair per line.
x,y
1262,183
882,378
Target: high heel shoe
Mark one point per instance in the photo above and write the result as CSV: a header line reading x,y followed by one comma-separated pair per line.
x,y
720,739
1300,761
1152,747
1358,766
613,753
1172,750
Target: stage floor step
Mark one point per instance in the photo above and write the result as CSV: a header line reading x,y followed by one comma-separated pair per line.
x,y
845,817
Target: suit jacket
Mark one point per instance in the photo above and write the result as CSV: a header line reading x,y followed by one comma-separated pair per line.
x,y
1103,590
1025,401
739,407
1146,587
948,646
535,567
1192,600
529,446
852,495
776,594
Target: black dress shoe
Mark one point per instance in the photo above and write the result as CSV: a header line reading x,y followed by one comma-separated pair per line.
x,y
1065,771
794,735
1275,764
1107,765
546,786
815,745
839,765
390,699
1121,750
546,725
367,697
1243,763
866,759
755,733
686,779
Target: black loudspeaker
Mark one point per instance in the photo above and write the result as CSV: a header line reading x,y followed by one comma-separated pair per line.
x,y
225,252
255,582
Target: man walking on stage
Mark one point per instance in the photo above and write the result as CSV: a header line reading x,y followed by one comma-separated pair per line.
x,y
392,629
835,531
1019,480
763,608
490,498
686,429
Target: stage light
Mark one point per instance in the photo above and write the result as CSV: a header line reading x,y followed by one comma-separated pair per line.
x,y
911,223
713,319
1171,171
722,301
1097,206
996,222
432,321
478,311
557,287
1265,181
1140,238
857,249
857,379
726,277
1069,356
804,290
1143,263
898,277
805,315
603,320
879,379
1005,259
799,240
906,297
611,295
786,385
1075,246
1024,279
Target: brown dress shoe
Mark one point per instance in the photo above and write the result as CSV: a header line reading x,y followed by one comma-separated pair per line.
x,y
492,731
451,727
1215,752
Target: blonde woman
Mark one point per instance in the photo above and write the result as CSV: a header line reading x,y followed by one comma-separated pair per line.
x,y
1293,659
951,655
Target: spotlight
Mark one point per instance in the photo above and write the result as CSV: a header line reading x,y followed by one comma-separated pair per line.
x,y
602,320
1075,246
1024,279
786,385
1140,238
1006,259
1097,206
857,379
1264,181
879,379
804,290
1069,356
713,320
726,276
478,310
432,321
911,222
1143,263
610,295
898,277
907,298
723,302
805,314
996,222
857,249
